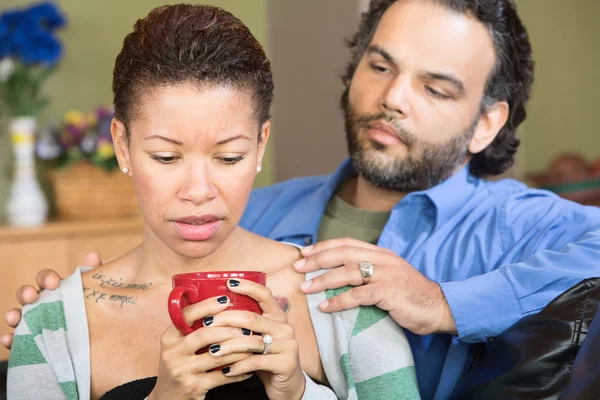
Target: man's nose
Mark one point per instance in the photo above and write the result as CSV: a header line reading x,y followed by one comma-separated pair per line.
x,y
397,98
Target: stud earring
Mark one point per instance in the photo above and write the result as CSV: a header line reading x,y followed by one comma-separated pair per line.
x,y
125,170
258,169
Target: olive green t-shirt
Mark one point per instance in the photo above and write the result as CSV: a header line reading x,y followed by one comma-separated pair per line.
x,y
344,220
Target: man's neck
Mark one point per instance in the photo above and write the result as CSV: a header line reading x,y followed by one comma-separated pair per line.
x,y
362,194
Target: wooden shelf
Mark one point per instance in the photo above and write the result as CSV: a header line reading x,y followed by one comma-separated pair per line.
x,y
66,228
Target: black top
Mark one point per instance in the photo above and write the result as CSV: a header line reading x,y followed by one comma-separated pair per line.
x,y
250,389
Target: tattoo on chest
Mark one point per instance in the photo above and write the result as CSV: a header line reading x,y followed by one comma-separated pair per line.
x,y
284,303
98,295
106,281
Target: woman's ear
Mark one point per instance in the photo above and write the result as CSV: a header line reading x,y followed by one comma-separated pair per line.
x,y
263,138
491,122
118,130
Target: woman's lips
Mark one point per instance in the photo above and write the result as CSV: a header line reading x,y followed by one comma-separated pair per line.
x,y
196,232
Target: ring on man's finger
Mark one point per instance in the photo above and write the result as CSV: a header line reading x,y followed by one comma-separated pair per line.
x,y
366,271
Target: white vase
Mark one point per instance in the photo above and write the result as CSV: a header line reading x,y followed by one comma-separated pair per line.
x,y
26,205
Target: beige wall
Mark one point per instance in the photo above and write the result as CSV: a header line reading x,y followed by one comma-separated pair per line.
x,y
566,95
307,44
92,40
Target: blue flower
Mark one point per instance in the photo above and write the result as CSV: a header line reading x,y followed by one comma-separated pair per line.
x,y
46,15
27,35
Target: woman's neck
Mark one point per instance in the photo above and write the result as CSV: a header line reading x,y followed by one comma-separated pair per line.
x,y
156,261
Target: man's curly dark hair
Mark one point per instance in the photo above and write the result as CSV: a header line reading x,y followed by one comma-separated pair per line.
x,y
510,80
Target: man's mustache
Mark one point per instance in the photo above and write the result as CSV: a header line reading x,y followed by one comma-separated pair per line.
x,y
405,136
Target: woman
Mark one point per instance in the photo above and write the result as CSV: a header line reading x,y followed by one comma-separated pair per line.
x,y
192,92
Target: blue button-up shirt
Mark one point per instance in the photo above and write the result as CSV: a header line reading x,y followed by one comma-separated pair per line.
x,y
499,251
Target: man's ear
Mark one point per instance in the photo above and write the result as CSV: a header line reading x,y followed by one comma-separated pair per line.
x,y
265,132
491,122
121,143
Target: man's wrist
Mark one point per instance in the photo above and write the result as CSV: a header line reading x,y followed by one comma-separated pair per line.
x,y
445,320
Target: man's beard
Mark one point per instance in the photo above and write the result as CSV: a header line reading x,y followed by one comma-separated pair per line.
x,y
424,166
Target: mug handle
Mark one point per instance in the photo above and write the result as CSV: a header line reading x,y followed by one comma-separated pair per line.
x,y
176,310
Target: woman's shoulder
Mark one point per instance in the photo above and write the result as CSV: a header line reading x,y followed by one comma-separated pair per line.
x,y
275,254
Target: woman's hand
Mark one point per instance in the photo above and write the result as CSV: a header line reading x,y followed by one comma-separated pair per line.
x,y
182,374
279,369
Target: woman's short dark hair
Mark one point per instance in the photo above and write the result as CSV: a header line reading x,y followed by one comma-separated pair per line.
x,y
510,80
195,44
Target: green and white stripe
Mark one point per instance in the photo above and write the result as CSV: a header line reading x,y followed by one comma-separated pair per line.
x,y
365,353
45,359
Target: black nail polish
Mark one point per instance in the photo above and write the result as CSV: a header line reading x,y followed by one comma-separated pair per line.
x,y
214,348
246,332
208,321
226,370
234,283
222,300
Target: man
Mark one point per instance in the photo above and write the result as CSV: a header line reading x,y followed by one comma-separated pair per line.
x,y
434,93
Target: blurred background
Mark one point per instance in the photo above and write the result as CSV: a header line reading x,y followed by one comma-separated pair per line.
x,y
305,40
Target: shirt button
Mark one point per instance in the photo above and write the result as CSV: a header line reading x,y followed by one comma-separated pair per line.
x,y
307,241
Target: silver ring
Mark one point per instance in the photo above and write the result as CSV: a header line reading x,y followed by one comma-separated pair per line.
x,y
366,270
267,340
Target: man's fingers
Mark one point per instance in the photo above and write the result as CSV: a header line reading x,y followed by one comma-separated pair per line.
x,y
47,279
336,257
12,317
26,294
92,260
365,295
333,243
7,340
346,275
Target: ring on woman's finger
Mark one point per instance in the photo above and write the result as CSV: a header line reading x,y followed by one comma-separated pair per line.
x,y
267,340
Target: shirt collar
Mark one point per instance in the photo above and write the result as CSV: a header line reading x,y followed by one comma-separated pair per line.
x,y
450,195
447,197
305,218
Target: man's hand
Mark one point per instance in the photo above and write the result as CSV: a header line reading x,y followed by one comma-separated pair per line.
x,y
27,294
413,301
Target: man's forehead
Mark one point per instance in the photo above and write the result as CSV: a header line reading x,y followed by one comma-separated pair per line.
x,y
435,37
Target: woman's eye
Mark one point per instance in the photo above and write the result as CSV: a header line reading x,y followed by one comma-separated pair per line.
x,y
231,160
163,159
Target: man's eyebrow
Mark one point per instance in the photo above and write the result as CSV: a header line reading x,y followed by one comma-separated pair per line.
x,y
379,50
166,139
231,139
438,76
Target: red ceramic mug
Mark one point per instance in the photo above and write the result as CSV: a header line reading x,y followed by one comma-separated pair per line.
x,y
197,286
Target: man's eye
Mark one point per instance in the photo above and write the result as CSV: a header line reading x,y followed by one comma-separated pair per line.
x,y
378,68
436,94
231,160
163,160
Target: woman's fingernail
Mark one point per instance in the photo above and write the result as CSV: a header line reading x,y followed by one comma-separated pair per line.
x,y
208,321
234,283
214,348
246,332
307,249
223,300
226,370
300,263
305,285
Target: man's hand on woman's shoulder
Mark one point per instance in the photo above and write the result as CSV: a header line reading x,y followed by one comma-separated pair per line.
x,y
28,294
